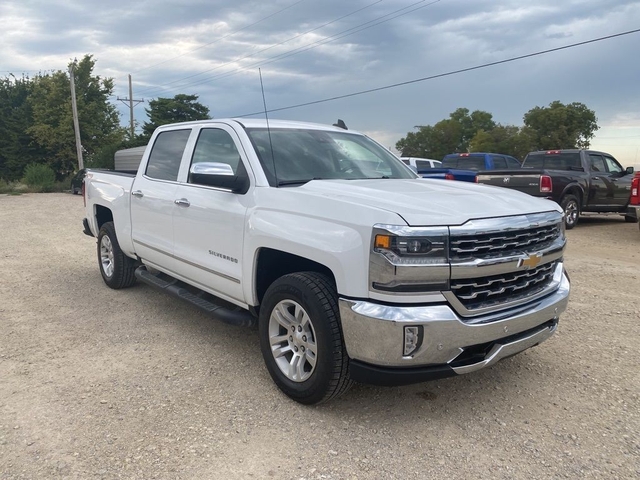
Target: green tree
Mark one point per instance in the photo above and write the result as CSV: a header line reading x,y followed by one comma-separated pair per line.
x,y
17,148
181,108
562,126
447,136
471,124
52,128
507,139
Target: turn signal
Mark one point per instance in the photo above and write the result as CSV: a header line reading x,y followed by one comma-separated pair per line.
x,y
383,241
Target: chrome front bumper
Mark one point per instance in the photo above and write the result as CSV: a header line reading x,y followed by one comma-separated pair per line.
x,y
374,333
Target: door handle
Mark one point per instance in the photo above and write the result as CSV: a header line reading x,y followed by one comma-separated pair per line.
x,y
137,193
182,202
595,178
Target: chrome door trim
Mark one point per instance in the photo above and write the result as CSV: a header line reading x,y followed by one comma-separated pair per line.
x,y
219,274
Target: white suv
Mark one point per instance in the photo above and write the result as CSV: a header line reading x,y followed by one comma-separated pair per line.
x,y
421,163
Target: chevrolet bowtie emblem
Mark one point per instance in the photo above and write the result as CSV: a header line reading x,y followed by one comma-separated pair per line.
x,y
532,261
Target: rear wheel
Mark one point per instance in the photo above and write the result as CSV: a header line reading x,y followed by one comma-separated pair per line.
x,y
630,219
118,270
301,338
571,208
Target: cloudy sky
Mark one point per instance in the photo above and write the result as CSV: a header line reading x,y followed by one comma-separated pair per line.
x,y
315,49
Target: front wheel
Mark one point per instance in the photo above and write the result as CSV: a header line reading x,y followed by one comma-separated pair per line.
x,y
118,270
301,338
571,208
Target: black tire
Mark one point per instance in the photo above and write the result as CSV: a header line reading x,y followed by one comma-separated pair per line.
x,y
123,272
630,219
571,207
316,294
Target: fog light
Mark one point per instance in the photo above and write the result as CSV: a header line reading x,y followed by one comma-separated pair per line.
x,y
412,339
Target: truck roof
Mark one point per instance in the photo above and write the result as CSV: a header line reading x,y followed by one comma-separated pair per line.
x,y
566,150
262,123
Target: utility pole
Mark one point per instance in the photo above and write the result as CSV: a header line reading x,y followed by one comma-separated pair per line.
x,y
76,125
130,101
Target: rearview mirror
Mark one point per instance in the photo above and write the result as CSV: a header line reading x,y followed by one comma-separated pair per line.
x,y
630,170
220,175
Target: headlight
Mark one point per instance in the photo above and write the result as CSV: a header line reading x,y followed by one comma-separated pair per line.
x,y
409,260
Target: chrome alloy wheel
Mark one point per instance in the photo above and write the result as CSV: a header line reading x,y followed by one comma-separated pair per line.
x,y
106,256
292,340
571,212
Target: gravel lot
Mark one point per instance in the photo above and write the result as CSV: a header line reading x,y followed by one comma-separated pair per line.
x,y
96,383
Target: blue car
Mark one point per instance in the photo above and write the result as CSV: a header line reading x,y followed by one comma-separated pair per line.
x,y
465,166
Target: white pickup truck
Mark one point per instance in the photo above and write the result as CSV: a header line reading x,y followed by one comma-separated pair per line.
x,y
352,267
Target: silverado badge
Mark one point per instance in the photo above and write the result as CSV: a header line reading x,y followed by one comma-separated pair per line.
x,y
532,261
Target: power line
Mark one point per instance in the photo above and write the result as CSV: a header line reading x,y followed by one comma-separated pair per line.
x,y
323,41
447,74
221,38
198,82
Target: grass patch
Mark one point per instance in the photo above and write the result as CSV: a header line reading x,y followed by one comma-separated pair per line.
x,y
18,188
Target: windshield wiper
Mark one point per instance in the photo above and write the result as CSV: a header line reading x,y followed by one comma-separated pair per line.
x,y
297,182
369,178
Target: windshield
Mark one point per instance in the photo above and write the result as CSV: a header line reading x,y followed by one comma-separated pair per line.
x,y
304,155
553,161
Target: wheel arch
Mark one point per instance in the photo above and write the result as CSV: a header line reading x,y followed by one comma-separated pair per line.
x,y
577,191
271,264
102,215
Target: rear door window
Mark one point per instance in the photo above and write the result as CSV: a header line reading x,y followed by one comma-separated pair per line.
x,y
422,165
499,162
596,163
166,155
513,163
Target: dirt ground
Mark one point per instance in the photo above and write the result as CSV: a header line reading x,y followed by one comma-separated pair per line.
x,y
97,383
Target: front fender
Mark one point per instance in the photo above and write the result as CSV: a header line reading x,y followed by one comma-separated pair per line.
x,y
344,249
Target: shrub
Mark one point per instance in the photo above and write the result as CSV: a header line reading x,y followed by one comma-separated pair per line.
x,y
39,177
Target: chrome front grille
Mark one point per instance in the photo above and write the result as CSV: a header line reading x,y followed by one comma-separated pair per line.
x,y
502,244
494,290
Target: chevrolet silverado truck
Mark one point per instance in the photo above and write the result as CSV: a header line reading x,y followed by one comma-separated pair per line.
x,y
578,180
464,167
351,266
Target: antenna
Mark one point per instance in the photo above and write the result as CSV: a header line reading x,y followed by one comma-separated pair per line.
x,y
264,101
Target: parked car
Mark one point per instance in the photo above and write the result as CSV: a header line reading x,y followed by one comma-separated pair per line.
x,y
465,166
76,181
421,164
352,267
578,180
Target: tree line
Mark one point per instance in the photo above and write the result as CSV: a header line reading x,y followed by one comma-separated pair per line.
x,y
36,125
556,126
36,120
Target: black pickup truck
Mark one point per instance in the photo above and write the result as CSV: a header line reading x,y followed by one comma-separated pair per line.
x,y
579,180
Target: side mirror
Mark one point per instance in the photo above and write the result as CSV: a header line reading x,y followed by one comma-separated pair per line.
x,y
630,170
220,175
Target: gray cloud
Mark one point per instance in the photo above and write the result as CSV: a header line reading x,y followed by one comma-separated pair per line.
x,y
128,37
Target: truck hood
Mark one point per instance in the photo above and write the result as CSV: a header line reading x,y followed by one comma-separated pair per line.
x,y
424,202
